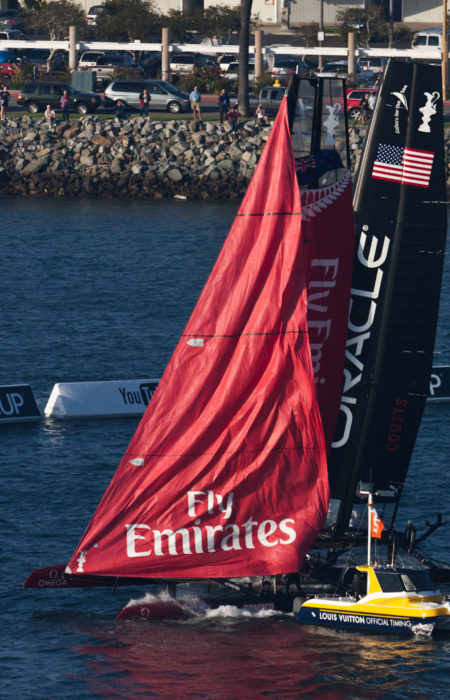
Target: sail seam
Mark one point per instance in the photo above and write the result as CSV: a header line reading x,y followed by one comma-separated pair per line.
x,y
300,448
239,335
273,213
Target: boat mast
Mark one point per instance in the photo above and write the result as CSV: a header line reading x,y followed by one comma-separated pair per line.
x,y
369,528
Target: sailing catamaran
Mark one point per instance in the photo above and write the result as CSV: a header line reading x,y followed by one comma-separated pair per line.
x,y
245,467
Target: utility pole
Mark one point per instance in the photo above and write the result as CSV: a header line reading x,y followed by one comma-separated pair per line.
x,y
444,51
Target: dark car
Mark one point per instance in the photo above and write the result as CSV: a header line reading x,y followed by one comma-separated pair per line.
x,y
35,96
10,19
40,57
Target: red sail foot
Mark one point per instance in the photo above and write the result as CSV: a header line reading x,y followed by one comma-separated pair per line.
x,y
53,577
48,577
157,610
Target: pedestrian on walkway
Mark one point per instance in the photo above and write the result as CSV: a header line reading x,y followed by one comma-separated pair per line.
x,y
261,116
195,98
364,108
4,101
224,104
371,101
65,105
144,102
233,116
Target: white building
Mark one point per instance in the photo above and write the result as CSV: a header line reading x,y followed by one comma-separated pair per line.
x,y
294,12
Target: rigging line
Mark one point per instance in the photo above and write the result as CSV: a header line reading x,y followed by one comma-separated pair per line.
x,y
239,335
272,213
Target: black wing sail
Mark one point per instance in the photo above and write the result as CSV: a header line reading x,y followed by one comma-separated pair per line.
x,y
400,229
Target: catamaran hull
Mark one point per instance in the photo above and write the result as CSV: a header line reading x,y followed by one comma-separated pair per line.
x,y
364,622
158,610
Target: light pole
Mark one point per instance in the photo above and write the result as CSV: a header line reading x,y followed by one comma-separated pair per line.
x,y
321,34
391,23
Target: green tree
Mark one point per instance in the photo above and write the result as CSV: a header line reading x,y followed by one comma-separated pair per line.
x,y
308,32
222,20
374,25
128,20
178,24
54,18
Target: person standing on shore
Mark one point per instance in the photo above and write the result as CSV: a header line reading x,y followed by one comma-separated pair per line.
x,y
144,102
233,116
50,116
65,105
195,98
224,104
364,108
371,101
4,101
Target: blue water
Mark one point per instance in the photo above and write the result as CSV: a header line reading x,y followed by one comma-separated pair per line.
x,y
102,290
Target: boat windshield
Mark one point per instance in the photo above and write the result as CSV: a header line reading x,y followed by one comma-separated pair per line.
x,y
417,581
394,582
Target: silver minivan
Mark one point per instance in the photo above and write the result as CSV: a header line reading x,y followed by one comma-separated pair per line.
x,y
163,96
187,62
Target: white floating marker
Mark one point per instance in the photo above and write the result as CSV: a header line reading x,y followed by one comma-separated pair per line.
x,y
17,404
127,397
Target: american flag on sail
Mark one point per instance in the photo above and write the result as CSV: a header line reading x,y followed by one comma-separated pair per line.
x,y
408,166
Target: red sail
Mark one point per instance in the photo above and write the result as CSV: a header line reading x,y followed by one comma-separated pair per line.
x,y
226,474
328,230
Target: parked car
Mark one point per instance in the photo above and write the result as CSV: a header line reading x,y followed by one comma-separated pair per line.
x,y
339,69
11,34
88,59
36,95
40,57
290,67
104,64
150,63
376,64
356,24
93,14
274,59
429,39
8,66
10,19
232,72
270,98
354,97
225,59
188,61
163,96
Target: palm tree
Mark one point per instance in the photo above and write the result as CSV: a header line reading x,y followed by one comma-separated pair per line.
x,y
244,38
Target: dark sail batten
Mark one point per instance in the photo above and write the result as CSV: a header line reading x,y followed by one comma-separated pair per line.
x,y
395,292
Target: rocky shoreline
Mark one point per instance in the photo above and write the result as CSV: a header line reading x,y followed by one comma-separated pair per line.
x,y
137,158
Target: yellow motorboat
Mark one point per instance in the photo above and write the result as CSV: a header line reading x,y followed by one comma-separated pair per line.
x,y
380,598
397,601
